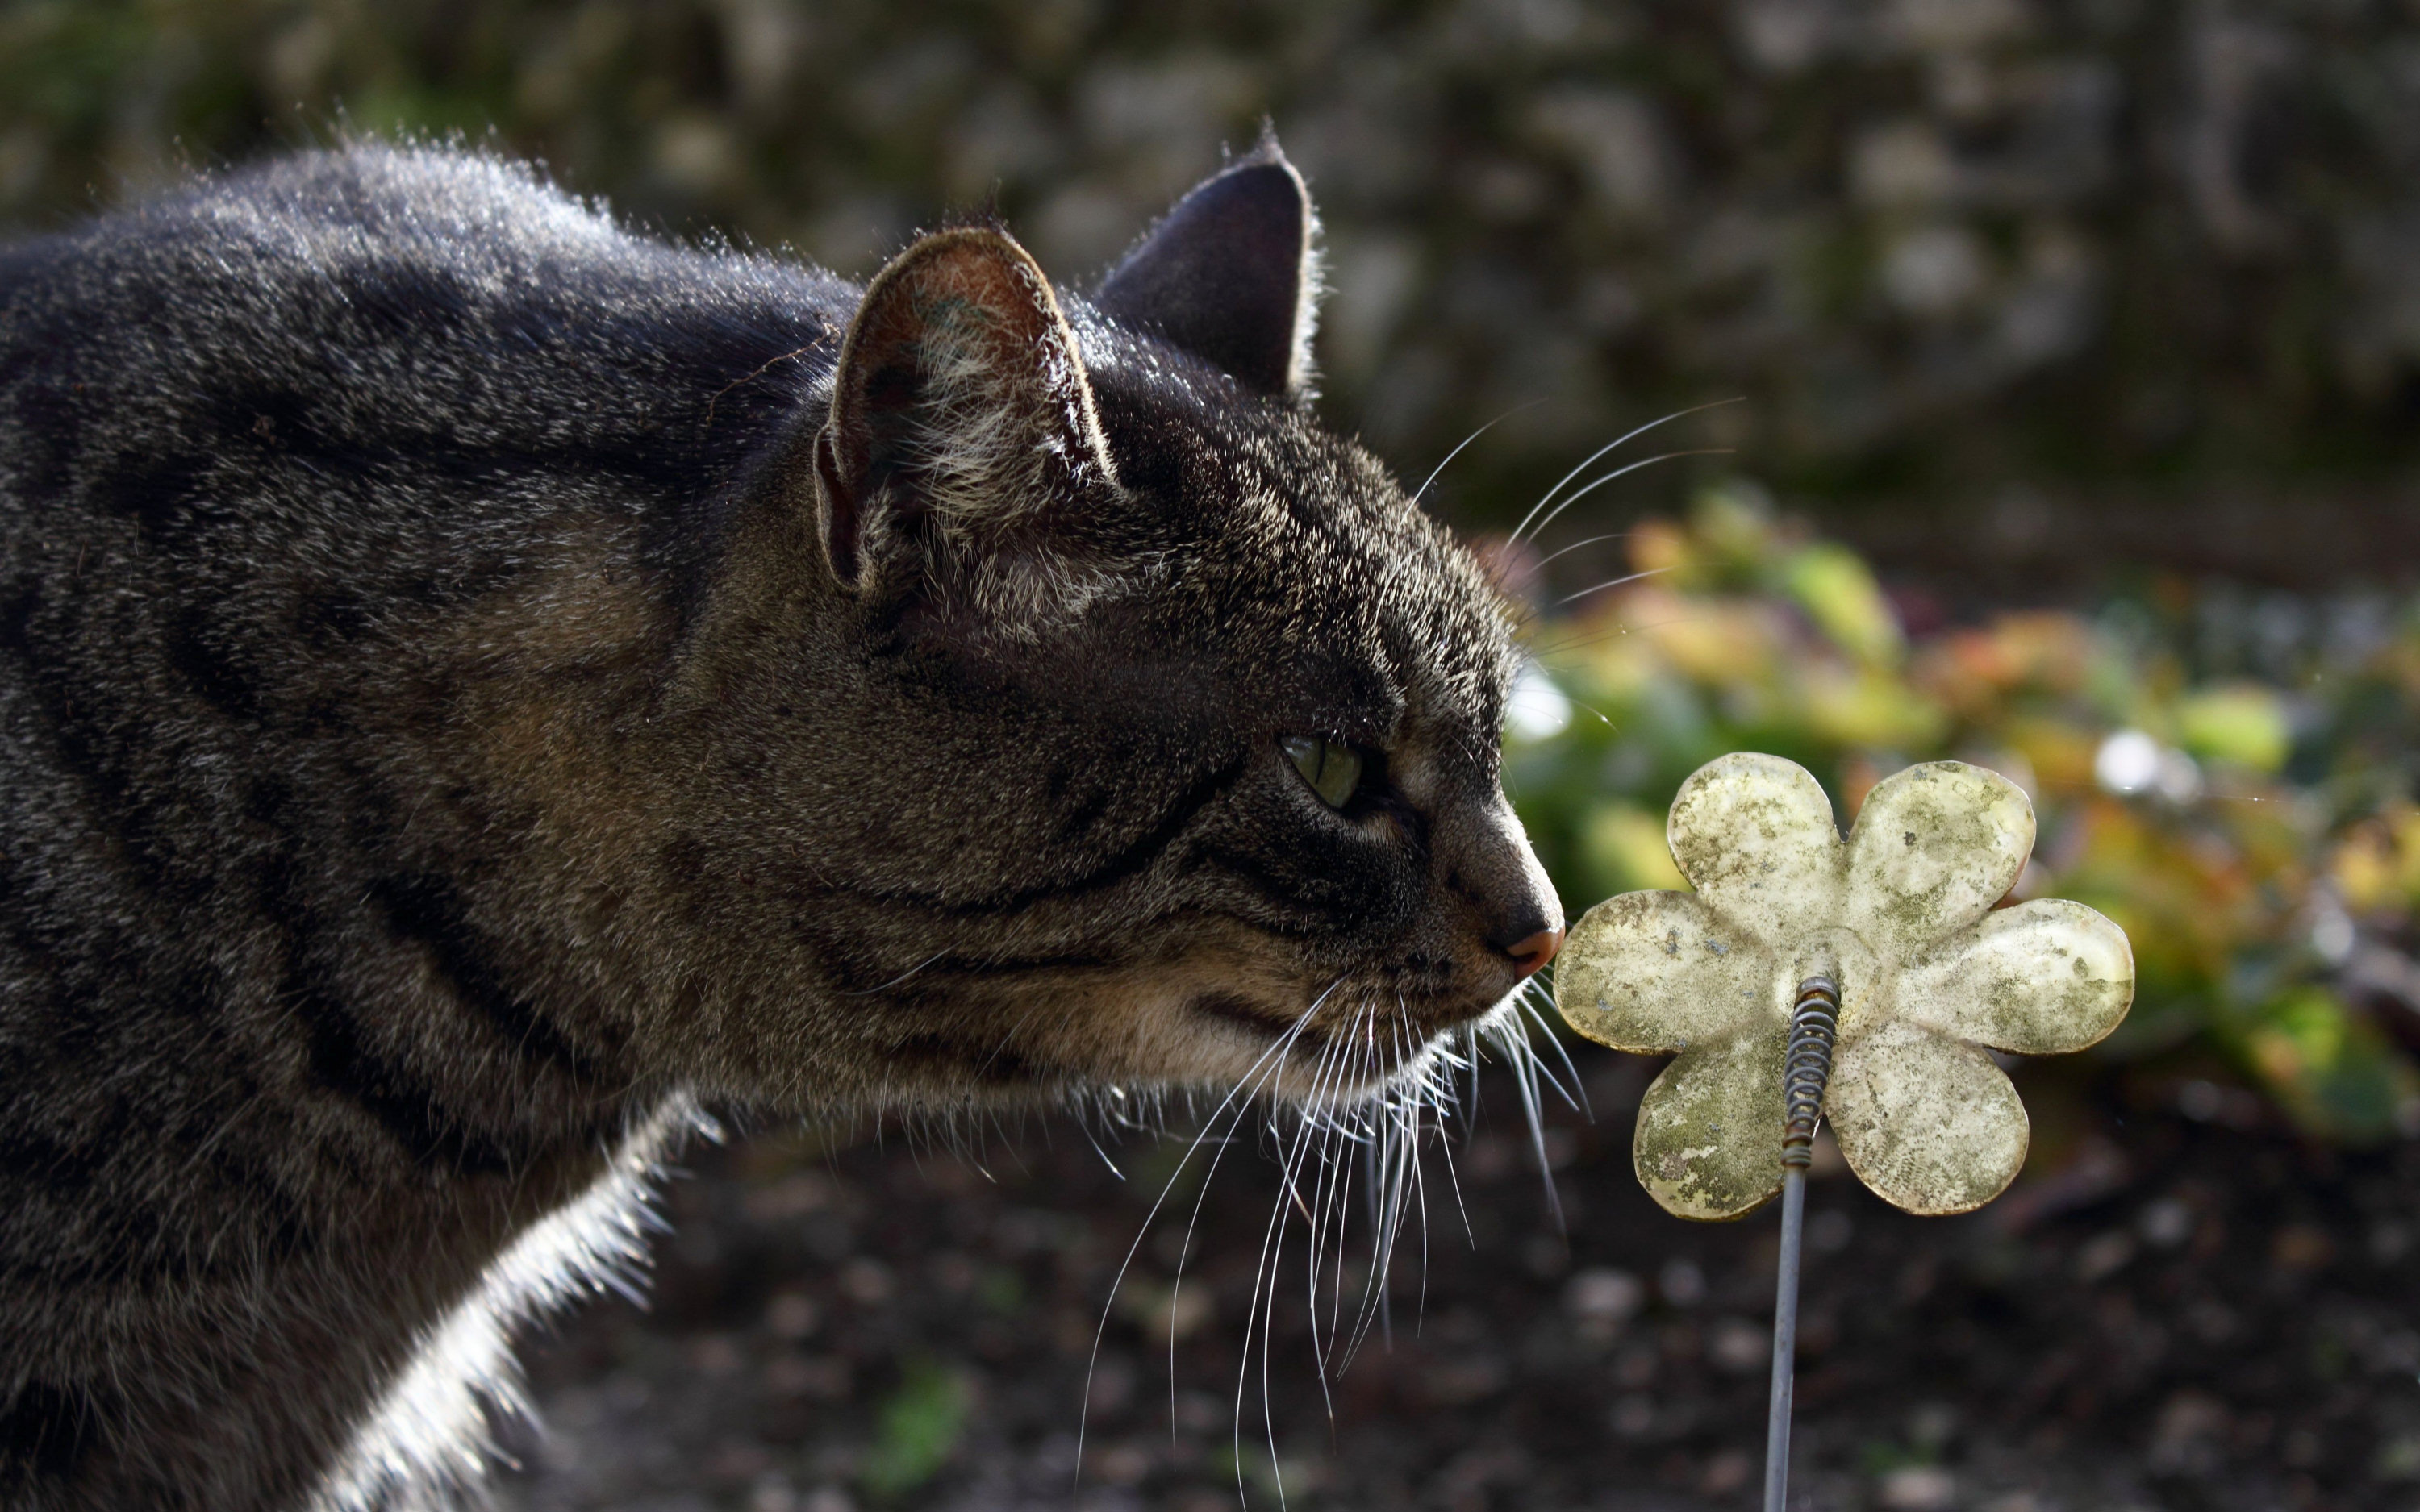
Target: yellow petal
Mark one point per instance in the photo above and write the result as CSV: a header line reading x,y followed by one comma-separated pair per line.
x,y
1931,1124
1934,847
1709,1139
1754,834
1653,971
2041,978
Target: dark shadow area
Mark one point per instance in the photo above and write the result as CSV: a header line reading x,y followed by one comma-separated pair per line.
x,y
2171,1311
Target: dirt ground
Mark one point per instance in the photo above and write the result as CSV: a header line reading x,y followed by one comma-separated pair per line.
x,y
2179,1307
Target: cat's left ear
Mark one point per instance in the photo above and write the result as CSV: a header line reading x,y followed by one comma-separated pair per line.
x,y
962,437
1231,275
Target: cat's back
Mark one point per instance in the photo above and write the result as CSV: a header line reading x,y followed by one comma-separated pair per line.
x,y
395,306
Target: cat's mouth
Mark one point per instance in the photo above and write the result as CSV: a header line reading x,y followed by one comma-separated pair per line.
x,y
1348,1040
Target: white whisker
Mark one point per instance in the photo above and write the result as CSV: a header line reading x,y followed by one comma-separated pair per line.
x,y
1574,1096
1374,1093
1590,459
1599,588
1624,471
1261,1312
1239,1097
1523,1061
1566,550
1422,492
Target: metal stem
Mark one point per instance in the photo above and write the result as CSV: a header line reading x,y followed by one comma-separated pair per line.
x,y
1785,1341
1807,1068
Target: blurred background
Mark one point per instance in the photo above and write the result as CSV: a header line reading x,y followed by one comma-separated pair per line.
x,y
2074,353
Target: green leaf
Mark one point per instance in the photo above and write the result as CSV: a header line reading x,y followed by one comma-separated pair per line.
x,y
917,1429
2331,1069
1839,592
1623,848
2240,723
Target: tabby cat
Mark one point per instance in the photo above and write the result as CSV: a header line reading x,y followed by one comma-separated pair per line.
x,y
477,684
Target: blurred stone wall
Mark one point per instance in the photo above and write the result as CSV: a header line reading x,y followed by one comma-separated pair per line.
x,y
1969,261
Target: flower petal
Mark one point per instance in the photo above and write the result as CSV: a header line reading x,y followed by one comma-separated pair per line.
x,y
1931,1125
1754,835
1653,971
2040,978
1709,1139
1934,847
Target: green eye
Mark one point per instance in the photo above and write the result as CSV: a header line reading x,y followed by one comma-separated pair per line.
x,y
1331,767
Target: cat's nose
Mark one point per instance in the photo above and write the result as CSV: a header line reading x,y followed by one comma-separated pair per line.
x,y
1518,916
1533,952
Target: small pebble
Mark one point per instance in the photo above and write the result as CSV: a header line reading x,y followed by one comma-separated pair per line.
x,y
2103,1256
1605,1295
1828,1232
1739,1348
2164,1223
2298,1247
1918,1488
1682,1282
792,1314
1726,1472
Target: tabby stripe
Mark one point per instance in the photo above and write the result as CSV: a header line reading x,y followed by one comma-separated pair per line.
x,y
154,492
65,1171
409,1109
214,676
132,839
424,908
37,944
1278,893
47,1430
1125,865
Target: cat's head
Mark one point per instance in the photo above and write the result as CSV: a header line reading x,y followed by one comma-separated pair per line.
x,y
1144,731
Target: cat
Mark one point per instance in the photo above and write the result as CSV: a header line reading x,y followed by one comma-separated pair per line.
x,y
478,684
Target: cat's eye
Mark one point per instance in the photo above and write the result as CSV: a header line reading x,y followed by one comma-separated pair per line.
x,y
1331,767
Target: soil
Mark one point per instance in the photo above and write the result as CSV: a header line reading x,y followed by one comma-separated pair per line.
x,y
2178,1306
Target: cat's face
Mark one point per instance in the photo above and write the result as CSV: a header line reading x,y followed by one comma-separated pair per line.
x,y
1147,732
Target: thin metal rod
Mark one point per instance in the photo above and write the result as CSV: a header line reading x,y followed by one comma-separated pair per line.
x,y
1807,1068
1785,1342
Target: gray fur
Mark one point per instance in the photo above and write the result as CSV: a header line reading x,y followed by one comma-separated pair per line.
x,y
477,684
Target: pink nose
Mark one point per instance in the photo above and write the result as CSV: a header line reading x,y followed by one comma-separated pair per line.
x,y
1535,952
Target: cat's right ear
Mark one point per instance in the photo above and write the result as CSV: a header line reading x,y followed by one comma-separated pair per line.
x,y
1232,274
962,427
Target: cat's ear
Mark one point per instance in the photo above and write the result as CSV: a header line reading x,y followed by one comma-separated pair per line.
x,y
1231,275
961,420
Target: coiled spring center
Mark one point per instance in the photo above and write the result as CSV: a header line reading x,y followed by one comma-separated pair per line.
x,y
1807,1066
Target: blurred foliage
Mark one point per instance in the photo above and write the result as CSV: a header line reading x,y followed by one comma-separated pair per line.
x,y
1936,242
2256,837
918,1429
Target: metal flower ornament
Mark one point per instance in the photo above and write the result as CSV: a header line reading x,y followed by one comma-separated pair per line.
x,y
1860,981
